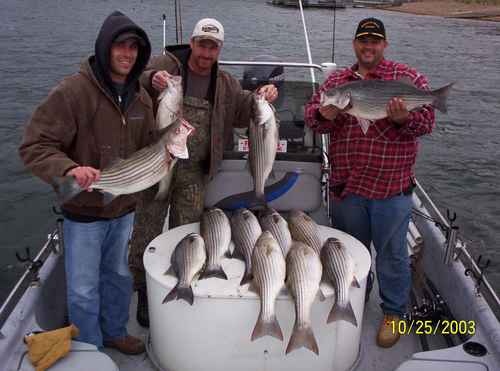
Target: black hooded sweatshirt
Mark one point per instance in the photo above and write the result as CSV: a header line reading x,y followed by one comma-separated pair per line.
x,y
116,24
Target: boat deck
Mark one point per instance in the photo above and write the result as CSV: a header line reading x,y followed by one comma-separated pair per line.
x,y
372,357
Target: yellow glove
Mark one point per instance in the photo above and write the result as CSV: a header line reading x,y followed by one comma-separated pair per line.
x,y
46,348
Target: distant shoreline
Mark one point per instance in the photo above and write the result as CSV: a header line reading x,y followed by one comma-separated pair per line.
x,y
450,9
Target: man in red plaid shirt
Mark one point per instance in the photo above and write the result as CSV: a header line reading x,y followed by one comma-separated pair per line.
x,y
372,173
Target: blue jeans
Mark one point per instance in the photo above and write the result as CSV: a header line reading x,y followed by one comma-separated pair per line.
x,y
99,284
385,223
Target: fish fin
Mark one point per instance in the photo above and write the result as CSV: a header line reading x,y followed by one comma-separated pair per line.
x,y
302,337
407,80
185,293
162,94
253,288
215,271
342,313
355,282
322,296
263,328
170,271
322,98
171,295
259,203
238,255
164,185
283,291
440,97
66,188
272,175
247,277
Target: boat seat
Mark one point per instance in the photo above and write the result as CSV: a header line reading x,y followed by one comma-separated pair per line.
x,y
432,365
82,357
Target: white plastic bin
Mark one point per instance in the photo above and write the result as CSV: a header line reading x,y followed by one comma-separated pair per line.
x,y
214,333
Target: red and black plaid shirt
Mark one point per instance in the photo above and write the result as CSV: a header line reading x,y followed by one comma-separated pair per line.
x,y
379,164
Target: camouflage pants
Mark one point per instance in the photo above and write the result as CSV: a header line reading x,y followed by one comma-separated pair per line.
x,y
187,197
149,219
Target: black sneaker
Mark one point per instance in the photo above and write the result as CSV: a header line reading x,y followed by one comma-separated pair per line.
x,y
369,285
142,308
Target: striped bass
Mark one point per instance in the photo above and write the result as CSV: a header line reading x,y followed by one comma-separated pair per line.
x,y
303,269
338,265
169,110
269,271
140,171
304,229
216,231
263,138
270,220
245,229
186,262
368,99
170,104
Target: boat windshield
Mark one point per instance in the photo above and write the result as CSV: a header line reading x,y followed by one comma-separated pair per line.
x,y
293,96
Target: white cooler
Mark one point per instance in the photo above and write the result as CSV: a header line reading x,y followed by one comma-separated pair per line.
x,y
214,333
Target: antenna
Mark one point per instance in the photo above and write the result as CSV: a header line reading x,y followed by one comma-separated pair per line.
x,y
308,47
178,22
334,22
164,33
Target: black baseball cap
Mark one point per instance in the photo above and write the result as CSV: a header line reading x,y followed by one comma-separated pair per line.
x,y
130,35
370,27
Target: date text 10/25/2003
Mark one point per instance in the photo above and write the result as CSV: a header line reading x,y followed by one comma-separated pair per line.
x,y
429,327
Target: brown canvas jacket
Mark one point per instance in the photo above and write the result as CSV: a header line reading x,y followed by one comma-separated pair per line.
x,y
79,124
231,104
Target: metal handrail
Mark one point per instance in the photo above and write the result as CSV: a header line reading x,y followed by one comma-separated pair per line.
x,y
29,276
271,63
460,246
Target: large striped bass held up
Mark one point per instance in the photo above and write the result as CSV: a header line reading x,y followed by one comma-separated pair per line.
x,y
263,137
269,271
368,99
338,266
303,270
304,229
136,173
245,230
187,260
215,229
170,103
270,220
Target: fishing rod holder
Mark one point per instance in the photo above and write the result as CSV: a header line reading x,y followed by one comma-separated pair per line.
x,y
34,265
451,239
479,275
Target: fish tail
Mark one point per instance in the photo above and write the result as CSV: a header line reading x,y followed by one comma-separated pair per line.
x,y
345,313
66,188
171,295
247,277
213,271
260,202
322,98
185,293
270,327
440,97
302,337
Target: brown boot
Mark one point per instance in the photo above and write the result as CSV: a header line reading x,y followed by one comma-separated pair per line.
x,y
388,332
126,345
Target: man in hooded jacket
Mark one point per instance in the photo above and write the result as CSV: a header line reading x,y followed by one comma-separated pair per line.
x,y
88,120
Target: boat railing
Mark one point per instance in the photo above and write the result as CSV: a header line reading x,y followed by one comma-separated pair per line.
x,y
30,276
456,247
